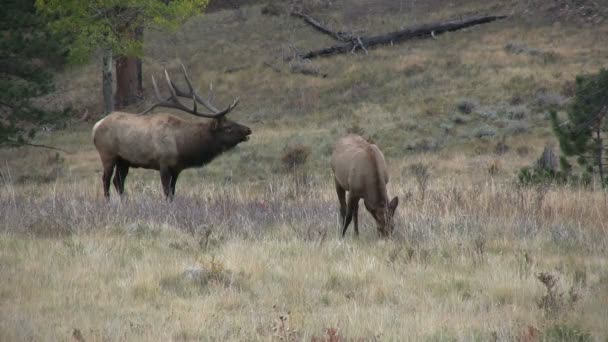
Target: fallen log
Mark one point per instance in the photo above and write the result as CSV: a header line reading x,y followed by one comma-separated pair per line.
x,y
422,31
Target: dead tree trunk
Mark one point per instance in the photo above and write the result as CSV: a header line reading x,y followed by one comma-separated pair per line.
x,y
422,31
106,74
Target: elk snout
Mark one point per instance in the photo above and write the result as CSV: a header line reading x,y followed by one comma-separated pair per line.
x,y
247,132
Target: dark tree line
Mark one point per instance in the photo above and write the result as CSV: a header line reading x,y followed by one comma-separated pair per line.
x,y
29,53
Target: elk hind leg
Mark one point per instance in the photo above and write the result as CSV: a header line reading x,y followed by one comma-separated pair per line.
x,y
342,198
350,209
168,178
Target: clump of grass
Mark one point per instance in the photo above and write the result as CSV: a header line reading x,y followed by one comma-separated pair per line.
x,y
466,106
566,332
422,175
494,167
272,8
281,327
501,146
196,280
331,335
295,157
484,131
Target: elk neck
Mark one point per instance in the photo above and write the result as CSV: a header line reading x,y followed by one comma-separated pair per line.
x,y
376,196
198,146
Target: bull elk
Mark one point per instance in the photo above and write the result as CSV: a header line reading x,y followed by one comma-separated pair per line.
x,y
359,168
164,142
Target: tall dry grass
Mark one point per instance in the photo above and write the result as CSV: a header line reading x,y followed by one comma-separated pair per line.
x,y
229,262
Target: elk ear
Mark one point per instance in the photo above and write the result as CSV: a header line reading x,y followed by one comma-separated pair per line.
x,y
393,205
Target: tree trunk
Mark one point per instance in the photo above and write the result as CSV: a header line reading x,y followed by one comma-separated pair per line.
x,y
108,99
126,81
139,36
129,84
600,150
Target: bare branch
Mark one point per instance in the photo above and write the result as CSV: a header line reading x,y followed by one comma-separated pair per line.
x,y
337,35
23,143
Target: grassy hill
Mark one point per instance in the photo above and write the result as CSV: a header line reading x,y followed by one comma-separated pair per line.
x,y
249,250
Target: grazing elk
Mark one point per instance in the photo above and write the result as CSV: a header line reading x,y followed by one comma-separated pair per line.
x,y
164,142
359,168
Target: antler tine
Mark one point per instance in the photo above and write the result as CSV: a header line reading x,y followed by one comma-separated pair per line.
x,y
178,103
158,97
200,99
171,89
156,91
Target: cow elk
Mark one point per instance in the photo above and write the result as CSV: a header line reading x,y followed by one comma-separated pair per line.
x,y
164,142
359,168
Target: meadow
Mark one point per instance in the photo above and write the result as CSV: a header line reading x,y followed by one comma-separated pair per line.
x,y
250,249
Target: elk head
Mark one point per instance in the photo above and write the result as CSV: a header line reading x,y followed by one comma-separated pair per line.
x,y
383,216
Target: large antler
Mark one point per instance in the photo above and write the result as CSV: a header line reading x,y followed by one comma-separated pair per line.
x,y
174,102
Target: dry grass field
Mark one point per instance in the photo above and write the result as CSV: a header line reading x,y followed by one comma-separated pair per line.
x,y
251,251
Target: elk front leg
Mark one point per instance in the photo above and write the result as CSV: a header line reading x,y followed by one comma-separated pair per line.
x,y
350,209
166,178
356,217
174,176
108,168
120,175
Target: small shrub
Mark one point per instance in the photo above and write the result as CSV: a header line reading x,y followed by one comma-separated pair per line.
x,y
555,301
501,146
423,145
272,9
544,171
459,119
422,175
332,335
466,106
295,156
494,167
355,128
447,126
546,100
517,128
484,131
564,332
522,151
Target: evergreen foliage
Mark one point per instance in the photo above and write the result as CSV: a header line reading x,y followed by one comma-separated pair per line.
x,y
582,135
28,55
113,23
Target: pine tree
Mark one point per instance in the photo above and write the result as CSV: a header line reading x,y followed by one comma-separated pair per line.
x,y
28,54
116,28
583,135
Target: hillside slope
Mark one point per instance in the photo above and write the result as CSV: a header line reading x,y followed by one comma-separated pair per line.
x,y
444,100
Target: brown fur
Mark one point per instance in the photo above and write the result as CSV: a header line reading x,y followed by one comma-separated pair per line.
x,y
359,168
160,142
